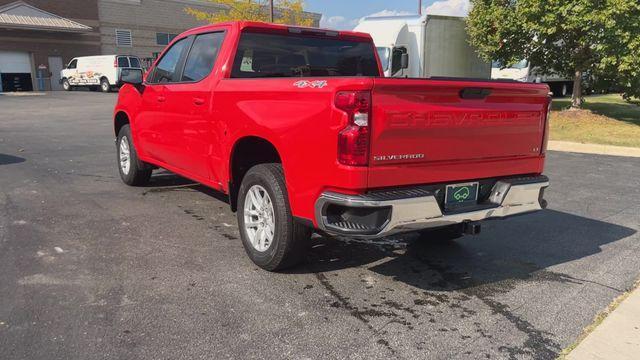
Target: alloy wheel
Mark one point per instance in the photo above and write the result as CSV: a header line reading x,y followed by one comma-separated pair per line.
x,y
259,219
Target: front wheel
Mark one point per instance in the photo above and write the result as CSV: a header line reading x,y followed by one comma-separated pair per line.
x,y
132,170
66,85
270,236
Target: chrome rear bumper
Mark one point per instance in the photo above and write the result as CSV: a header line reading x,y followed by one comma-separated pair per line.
x,y
384,213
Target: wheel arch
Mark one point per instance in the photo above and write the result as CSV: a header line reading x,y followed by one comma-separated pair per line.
x,y
120,119
247,152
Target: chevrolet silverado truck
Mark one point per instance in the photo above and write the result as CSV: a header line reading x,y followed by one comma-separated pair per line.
x,y
299,128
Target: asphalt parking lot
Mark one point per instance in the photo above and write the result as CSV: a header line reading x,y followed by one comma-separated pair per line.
x,y
93,269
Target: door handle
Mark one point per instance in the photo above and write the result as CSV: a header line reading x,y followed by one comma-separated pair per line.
x,y
198,101
161,99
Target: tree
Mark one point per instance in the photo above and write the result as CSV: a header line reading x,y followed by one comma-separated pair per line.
x,y
600,38
286,12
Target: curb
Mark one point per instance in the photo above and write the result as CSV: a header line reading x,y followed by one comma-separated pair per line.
x,y
22,93
615,333
568,146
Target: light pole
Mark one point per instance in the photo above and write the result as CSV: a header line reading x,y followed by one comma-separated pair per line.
x,y
271,10
419,7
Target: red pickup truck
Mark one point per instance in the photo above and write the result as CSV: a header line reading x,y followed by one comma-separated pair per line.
x,y
301,131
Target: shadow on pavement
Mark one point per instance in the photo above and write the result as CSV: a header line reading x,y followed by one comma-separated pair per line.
x,y
6,159
514,249
163,181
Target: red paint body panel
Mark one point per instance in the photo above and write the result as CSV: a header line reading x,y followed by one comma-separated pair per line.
x,y
192,128
430,121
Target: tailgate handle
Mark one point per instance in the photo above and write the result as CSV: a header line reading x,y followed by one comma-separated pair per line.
x,y
475,93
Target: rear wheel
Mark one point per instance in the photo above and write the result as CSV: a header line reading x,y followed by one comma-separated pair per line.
x,y
270,236
104,85
133,171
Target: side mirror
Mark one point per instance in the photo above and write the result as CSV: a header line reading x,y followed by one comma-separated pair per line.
x,y
404,61
131,76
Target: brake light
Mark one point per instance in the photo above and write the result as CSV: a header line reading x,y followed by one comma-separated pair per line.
x,y
353,140
115,62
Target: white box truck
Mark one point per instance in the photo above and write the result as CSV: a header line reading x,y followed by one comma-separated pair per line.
x,y
523,72
435,46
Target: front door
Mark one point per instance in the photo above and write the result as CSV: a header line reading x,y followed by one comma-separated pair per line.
x,y
155,133
188,108
55,67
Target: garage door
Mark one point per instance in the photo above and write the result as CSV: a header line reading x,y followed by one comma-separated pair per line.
x,y
15,71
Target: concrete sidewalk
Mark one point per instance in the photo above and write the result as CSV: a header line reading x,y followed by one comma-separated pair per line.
x,y
617,337
593,148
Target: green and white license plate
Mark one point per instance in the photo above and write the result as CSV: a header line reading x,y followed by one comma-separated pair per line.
x,y
460,195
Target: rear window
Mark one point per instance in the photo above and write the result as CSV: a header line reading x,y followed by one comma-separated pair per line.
x,y
274,55
134,62
202,56
123,62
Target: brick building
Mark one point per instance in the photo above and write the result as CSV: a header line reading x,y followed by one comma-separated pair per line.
x,y
39,37
144,27
44,34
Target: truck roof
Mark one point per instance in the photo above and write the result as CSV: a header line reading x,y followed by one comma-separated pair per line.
x,y
241,25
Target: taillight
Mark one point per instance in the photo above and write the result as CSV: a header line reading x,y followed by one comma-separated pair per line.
x,y
545,137
353,140
115,63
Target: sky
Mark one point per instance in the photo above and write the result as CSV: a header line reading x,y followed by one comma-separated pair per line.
x,y
345,14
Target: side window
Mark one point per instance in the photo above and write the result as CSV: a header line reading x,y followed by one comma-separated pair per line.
x,y
166,69
396,61
73,64
202,56
134,62
123,62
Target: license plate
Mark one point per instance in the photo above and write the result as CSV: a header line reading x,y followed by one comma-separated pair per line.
x,y
460,195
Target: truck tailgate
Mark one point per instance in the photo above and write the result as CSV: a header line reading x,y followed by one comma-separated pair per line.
x,y
423,124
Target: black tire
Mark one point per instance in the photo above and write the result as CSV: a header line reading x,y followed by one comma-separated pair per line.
x,y
290,239
105,87
66,85
443,234
139,172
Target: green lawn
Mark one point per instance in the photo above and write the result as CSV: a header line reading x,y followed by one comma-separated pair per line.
x,y
606,119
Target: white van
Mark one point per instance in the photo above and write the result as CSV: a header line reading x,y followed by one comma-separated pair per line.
x,y
97,72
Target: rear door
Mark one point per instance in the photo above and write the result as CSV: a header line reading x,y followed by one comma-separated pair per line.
x,y
122,62
420,123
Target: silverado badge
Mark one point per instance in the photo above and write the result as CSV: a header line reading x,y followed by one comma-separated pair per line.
x,y
398,157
